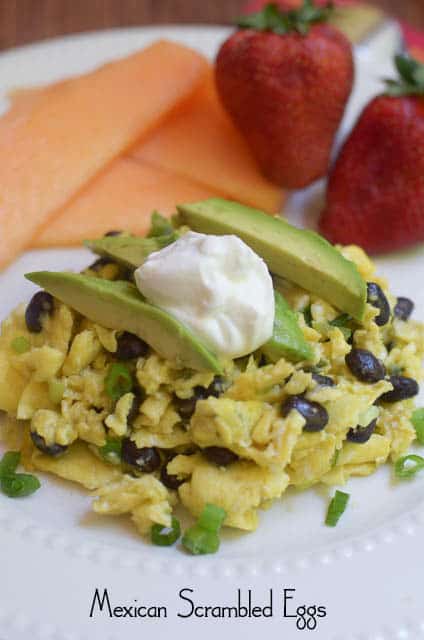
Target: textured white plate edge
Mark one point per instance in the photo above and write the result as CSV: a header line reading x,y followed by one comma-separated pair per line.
x,y
406,525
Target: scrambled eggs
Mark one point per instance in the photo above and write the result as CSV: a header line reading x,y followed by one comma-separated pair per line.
x,y
55,389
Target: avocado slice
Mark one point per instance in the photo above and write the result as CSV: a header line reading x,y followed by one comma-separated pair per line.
x,y
287,340
299,255
119,305
130,251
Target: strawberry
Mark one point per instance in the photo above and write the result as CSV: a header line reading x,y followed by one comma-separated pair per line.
x,y
375,195
284,78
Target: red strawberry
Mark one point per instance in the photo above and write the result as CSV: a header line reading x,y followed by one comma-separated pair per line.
x,y
375,195
285,81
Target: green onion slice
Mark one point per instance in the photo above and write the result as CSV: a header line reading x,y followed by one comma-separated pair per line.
x,y
199,541
9,463
159,226
118,381
112,450
343,320
165,536
417,420
307,314
336,508
20,344
408,466
19,485
203,537
211,518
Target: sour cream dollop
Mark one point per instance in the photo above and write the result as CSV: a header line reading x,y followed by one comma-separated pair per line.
x,y
217,287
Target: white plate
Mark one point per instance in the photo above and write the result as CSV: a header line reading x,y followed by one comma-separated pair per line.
x,y
54,552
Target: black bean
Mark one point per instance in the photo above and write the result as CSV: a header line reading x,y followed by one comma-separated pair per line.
x,y
220,455
41,304
365,366
403,388
315,414
376,297
135,408
217,387
362,434
403,308
53,450
187,406
170,481
323,381
130,346
146,459
112,233
98,264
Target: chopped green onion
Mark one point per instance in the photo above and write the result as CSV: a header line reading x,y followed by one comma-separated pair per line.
x,y
19,485
165,536
336,508
203,537
211,518
9,463
408,466
118,381
343,320
307,314
396,371
335,458
56,390
200,541
20,344
417,420
159,226
112,450
347,333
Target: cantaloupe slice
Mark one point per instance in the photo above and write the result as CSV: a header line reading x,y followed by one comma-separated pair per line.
x,y
200,142
122,197
55,144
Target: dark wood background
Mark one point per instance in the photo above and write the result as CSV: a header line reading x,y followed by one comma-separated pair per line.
x,y
23,21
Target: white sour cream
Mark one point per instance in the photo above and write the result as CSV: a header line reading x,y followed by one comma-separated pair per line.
x,y
217,287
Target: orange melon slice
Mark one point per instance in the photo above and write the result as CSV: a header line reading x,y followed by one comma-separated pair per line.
x,y
53,145
200,142
122,197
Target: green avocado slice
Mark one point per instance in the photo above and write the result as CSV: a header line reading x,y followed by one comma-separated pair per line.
x,y
119,305
287,340
300,256
130,251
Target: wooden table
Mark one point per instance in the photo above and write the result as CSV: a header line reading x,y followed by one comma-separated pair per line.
x,y
23,21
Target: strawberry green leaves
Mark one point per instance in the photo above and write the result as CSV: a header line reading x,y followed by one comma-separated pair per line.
x,y
411,78
272,18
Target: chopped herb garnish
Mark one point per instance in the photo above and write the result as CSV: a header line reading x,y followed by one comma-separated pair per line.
x,y
159,226
408,466
343,320
203,537
20,344
211,518
12,484
417,420
118,381
307,314
396,371
335,458
9,463
19,485
112,450
165,536
336,508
